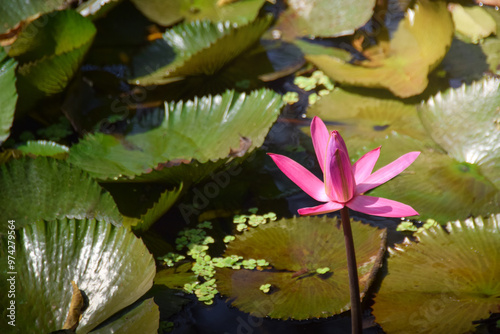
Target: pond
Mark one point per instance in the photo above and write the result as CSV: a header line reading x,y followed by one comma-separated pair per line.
x,y
196,166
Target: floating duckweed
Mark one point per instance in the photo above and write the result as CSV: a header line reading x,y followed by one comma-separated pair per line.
x,y
205,224
322,270
305,83
324,92
241,227
228,238
291,97
408,226
253,210
265,288
252,220
262,263
172,258
313,98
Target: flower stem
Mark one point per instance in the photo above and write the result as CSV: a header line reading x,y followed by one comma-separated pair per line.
x,y
352,269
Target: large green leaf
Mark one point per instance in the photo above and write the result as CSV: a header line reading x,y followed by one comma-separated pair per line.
x,y
473,21
141,318
169,12
465,123
363,119
435,185
159,208
109,264
209,128
45,188
14,11
8,93
449,274
296,248
401,65
324,18
195,48
49,51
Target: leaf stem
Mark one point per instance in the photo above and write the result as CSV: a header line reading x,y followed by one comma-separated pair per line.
x,y
352,269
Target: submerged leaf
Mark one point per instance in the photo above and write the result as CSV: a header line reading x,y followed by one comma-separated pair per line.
x,y
109,264
450,274
45,188
417,47
296,249
204,129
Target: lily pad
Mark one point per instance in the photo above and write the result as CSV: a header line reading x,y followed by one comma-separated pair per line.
x,y
449,274
14,11
402,64
109,264
325,18
473,22
49,51
8,94
165,202
195,48
170,12
141,318
465,122
46,188
44,148
366,118
296,248
208,128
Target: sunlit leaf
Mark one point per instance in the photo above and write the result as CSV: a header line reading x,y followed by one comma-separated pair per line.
x,y
449,274
465,122
169,12
296,248
366,118
325,18
14,11
473,21
195,48
142,317
417,47
45,188
436,185
109,264
44,148
49,51
8,94
206,129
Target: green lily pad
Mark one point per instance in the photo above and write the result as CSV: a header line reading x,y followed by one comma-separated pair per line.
x,y
325,18
449,274
195,48
366,118
141,318
8,94
44,148
170,12
296,248
465,122
49,51
435,185
14,11
165,202
109,264
209,128
46,188
473,22
95,9
401,65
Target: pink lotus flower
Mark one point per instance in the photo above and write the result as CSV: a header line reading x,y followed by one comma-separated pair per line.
x,y
344,184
